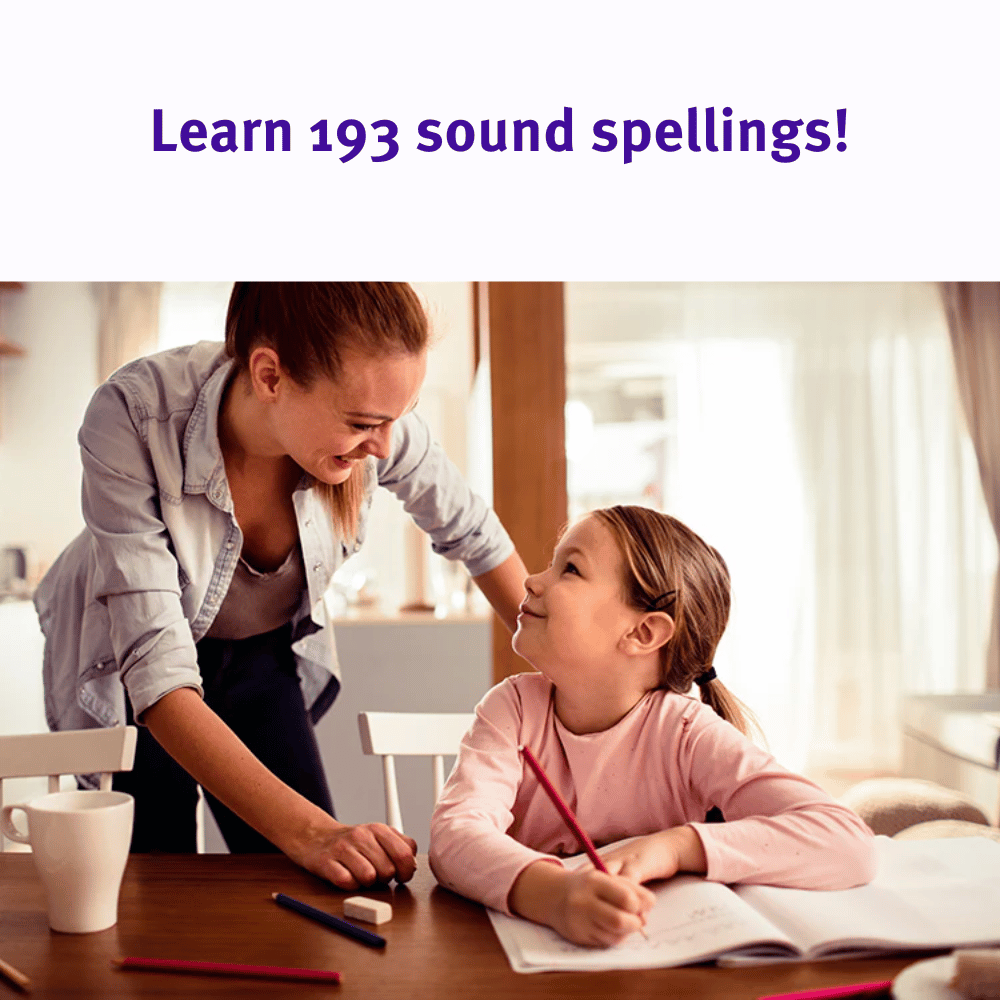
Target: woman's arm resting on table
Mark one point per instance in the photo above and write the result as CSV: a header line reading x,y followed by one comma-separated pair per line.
x,y
347,856
504,588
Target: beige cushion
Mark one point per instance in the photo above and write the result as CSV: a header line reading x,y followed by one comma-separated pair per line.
x,y
889,805
947,828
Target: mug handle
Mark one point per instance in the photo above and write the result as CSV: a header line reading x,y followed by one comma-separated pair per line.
x,y
10,831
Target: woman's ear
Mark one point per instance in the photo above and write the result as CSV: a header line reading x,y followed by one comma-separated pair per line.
x,y
653,630
265,372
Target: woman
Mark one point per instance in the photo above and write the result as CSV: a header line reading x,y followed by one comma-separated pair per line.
x,y
222,487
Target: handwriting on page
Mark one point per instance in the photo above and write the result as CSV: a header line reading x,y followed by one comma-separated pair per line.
x,y
692,920
669,931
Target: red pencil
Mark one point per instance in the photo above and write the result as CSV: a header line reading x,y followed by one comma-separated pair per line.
x,y
851,990
227,969
564,810
567,815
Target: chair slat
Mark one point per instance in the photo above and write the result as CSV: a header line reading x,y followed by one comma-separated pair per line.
x,y
422,734
82,751
419,733
77,751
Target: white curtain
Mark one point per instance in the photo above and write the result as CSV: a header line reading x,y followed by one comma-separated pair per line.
x,y
821,448
973,309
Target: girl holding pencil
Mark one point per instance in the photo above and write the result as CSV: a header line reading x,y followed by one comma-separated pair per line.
x,y
621,626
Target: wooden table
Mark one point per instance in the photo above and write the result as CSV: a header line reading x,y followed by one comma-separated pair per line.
x,y
218,908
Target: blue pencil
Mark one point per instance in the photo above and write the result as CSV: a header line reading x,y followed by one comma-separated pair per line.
x,y
329,920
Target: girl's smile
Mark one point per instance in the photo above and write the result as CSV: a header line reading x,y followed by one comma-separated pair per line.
x,y
576,627
572,609
525,612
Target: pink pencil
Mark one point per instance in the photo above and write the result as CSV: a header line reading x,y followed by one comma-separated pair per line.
x,y
564,810
567,815
852,989
227,969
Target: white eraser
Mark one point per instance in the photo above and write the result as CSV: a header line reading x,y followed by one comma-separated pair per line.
x,y
373,911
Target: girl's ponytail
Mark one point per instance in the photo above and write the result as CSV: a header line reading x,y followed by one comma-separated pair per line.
x,y
724,703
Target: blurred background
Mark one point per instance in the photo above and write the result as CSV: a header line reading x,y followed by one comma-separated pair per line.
x,y
814,433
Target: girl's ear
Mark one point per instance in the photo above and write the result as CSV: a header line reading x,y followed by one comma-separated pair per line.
x,y
653,630
265,372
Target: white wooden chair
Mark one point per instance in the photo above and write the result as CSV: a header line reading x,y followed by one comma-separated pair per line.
x,y
425,734
73,751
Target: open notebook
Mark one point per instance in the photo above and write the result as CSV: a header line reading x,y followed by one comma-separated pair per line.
x,y
927,894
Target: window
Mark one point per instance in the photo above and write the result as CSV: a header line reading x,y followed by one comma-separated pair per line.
x,y
812,433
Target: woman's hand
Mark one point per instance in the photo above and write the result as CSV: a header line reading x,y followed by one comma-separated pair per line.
x,y
347,856
587,907
658,855
355,856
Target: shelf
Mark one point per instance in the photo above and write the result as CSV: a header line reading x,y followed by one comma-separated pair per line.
x,y
376,616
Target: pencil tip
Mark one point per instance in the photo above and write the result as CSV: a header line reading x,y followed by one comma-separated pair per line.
x,y
274,895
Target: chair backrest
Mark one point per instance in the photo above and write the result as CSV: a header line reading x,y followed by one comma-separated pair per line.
x,y
73,751
424,734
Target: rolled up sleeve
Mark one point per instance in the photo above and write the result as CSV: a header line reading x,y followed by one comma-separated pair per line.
x,y
437,497
136,574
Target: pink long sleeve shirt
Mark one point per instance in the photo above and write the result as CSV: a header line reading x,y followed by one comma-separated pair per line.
x,y
665,764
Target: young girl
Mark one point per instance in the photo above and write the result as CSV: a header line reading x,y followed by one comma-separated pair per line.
x,y
620,626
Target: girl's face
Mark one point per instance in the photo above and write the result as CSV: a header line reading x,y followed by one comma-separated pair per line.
x,y
334,424
574,615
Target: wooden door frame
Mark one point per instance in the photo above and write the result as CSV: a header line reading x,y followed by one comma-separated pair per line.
x,y
521,328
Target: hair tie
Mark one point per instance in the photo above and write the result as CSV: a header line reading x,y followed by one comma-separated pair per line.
x,y
702,679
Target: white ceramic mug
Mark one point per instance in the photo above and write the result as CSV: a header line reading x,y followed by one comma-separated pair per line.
x,y
80,842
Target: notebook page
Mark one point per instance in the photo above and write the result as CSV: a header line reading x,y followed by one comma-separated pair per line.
x,y
926,894
692,920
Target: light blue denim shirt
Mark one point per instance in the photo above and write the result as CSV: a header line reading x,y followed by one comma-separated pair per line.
x,y
128,599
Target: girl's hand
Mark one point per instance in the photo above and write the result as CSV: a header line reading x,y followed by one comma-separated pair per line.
x,y
355,856
587,907
658,855
600,910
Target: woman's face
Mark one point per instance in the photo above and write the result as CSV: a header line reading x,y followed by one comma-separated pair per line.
x,y
334,424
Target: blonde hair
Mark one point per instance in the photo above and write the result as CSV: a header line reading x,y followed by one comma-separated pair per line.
x,y
310,324
667,567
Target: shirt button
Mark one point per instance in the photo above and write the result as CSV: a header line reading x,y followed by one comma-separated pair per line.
x,y
308,521
229,545
317,567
